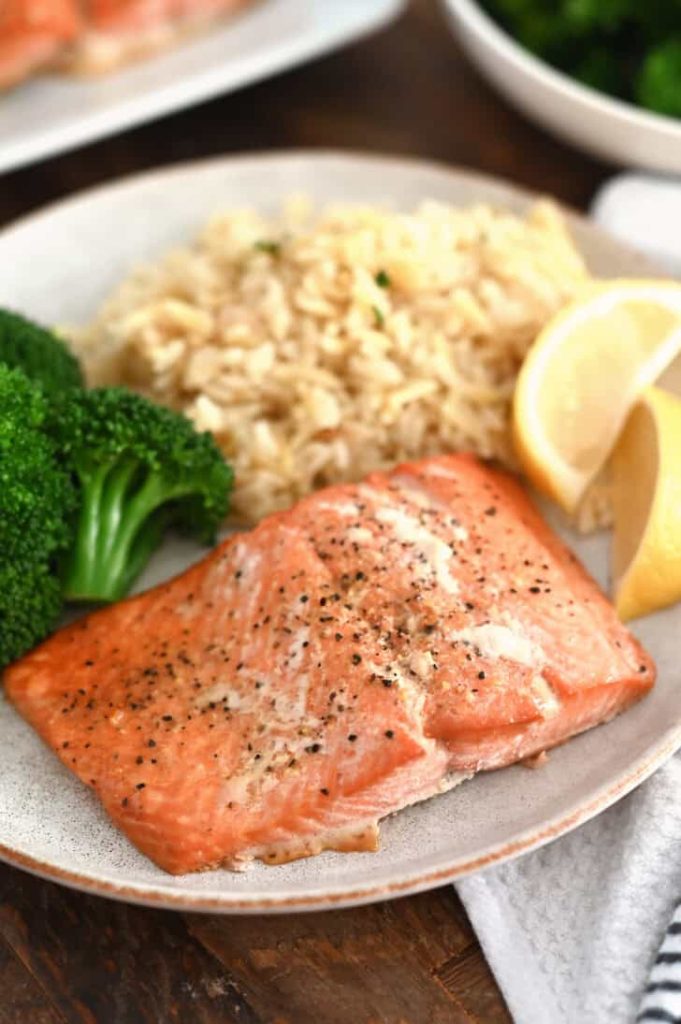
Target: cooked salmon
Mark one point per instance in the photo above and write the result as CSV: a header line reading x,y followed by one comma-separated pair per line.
x,y
32,33
366,649
119,31
94,35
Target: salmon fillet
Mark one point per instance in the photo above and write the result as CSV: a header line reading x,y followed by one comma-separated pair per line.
x,y
32,33
120,31
92,36
366,649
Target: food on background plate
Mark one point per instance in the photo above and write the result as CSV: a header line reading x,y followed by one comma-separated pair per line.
x,y
117,31
626,48
646,471
95,35
32,34
318,347
582,376
367,649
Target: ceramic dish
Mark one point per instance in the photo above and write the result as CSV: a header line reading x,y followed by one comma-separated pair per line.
x,y
57,265
50,114
607,127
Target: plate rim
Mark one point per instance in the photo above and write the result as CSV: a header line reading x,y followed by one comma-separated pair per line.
x,y
531,839
344,894
466,172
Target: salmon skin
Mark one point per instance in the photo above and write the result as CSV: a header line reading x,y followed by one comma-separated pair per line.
x,y
368,648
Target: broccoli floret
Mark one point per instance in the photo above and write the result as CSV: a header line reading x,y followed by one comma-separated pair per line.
x,y
659,84
602,69
30,604
37,499
628,49
36,494
535,23
586,15
140,469
42,356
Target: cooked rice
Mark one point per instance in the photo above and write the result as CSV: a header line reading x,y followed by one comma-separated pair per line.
x,y
319,347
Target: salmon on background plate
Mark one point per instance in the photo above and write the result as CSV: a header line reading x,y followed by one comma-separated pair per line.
x,y
89,36
33,33
366,649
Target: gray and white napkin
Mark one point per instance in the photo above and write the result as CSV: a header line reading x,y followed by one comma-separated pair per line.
x,y
579,932
662,995
572,931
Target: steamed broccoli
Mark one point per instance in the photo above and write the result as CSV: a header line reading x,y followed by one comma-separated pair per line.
x,y
622,47
532,22
37,499
659,84
585,15
42,356
30,605
139,469
35,493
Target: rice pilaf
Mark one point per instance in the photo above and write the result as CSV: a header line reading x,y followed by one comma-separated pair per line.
x,y
320,346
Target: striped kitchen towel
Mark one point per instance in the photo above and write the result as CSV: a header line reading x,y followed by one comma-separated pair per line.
x,y
662,997
572,931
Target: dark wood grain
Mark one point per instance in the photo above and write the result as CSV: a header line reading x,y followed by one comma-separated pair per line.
x,y
375,964
21,996
70,959
111,963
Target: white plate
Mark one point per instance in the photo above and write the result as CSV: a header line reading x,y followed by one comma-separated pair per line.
x,y
50,114
57,265
601,124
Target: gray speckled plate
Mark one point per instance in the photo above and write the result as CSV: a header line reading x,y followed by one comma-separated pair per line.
x,y
57,265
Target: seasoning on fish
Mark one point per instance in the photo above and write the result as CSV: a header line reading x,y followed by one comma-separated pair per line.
x,y
369,648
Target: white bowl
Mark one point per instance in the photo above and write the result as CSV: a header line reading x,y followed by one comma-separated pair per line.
x,y
606,127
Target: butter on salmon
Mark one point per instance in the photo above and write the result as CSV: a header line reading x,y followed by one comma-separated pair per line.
x,y
501,640
368,648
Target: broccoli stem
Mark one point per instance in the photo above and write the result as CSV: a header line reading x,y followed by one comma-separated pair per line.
x,y
85,544
121,524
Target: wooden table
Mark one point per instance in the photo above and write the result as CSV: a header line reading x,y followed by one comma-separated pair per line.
x,y
65,957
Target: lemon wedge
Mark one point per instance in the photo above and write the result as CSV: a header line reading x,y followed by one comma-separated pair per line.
x,y
646,494
581,377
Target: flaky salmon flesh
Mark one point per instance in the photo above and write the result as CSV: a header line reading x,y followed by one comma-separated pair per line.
x,y
366,649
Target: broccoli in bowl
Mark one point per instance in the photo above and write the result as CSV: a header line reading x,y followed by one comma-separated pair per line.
x,y
625,48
